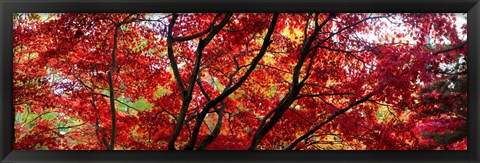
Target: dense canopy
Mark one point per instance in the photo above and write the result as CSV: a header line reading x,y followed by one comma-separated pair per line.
x,y
240,81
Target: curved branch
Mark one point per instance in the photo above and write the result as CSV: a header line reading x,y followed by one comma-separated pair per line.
x,y
228,91
171,56
187,94
194,36
209,139
40,115
340,112
450,49
290,97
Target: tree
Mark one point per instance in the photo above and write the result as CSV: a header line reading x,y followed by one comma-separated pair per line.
x,y
283,81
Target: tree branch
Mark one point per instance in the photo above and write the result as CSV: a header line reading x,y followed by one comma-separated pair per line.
x,y
112,93
191,37
228,91
323,94
209,139
285,103
171,56
328,120
450,49
191,84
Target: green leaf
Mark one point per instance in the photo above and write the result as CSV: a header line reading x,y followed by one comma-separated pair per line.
x,y
49,116
161,92
142,105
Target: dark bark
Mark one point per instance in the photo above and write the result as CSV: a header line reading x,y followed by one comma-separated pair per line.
x,y
111,89
450,49
228,91
194,36
187,94
341,111
94,105
97,127
291,96
181,86
220,112
209,139
279,110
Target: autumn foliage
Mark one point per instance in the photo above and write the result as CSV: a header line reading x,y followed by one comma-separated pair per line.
x,y
240,81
